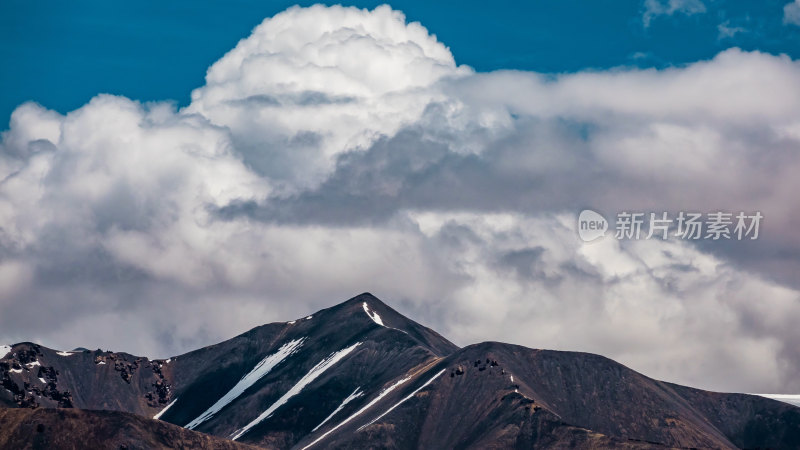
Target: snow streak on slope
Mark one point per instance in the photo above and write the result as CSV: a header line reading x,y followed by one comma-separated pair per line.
x,y
312,374
65,353
347,400
4,350
261,369
786,398
360,411
161,413
403,400
373,315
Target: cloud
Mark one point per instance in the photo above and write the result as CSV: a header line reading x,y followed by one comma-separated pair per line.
x,y
654,8
663,306
791,13
726,31
339,150
332,78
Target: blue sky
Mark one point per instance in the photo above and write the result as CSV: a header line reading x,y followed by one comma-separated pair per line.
x,y
61,54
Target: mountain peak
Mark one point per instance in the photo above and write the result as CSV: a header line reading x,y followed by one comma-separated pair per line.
x,y
371,300
367,306
364,296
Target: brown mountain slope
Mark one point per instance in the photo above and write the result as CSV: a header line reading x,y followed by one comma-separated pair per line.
x,y
494,395
67,429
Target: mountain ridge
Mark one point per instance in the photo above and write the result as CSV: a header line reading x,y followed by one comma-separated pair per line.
x,y
360,374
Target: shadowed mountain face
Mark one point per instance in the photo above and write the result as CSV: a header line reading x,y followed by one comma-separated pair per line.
x,y
46,428
359,374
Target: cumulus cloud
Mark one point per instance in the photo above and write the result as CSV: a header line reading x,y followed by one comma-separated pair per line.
x,y
338,150
654,8
791,13
312,83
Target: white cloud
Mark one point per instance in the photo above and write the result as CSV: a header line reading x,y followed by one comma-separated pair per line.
x,y
339,150
657,306
791,13
654,8
322,81
726,31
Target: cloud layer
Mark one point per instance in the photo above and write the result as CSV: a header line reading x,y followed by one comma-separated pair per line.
x,y
338,150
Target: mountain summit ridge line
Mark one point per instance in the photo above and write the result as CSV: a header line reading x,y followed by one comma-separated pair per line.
x,y
416,390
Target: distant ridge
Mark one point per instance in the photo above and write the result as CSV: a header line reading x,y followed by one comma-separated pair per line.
x,y
361,375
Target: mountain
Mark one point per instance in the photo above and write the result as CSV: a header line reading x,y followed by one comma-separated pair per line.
x,y
361,375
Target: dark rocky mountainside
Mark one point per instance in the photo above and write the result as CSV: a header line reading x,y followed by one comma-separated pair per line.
x,y
361,375
47,429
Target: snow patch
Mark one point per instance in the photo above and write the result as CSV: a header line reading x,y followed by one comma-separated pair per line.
x,y
312,374
360,411
65,353
347,400
161,413
261,369
42,380
101,363
373,315
33,364
309,317
785,398
168,361
291,322
512,378
404,399
15,370
4,350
